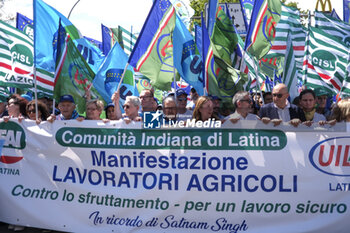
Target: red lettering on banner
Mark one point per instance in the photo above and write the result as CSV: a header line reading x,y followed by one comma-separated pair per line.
x,y
345,162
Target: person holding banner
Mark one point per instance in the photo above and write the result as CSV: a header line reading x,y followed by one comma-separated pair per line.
x,y
131,107
341,111
43,111
321,101
16,107
308,104
66,106
169,109
280,110
204,109
94,109
242,103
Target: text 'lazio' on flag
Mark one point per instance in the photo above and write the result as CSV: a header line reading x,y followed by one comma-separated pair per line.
x,y
187,59
109,76
153,51
16,63
326,60
46,19
261,33
73,75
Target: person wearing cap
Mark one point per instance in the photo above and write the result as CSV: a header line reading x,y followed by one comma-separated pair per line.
x,y
216,106
66,106
242,103
181,102
194,97
109,111
321,101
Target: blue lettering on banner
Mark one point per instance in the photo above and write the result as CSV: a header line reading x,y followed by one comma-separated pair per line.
x,y
98,219
342,187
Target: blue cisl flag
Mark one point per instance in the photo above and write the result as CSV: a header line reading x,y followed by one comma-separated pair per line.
x,y
46,19
262,28
109,76
187,59
153,51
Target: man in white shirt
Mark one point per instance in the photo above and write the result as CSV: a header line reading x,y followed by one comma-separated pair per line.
x,y
243,103
280,110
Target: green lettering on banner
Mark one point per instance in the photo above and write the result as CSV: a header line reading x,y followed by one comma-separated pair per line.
x,y
206,139
13,134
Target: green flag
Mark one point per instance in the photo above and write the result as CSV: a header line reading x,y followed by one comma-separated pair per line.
x,y
224,80
291,73
326,61
16,62
73,76
224,36
153,51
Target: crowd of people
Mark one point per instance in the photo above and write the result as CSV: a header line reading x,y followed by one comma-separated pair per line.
x,y
310,107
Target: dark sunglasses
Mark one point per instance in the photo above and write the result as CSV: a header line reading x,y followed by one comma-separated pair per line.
x,y
181,99
278,95
126,106
31,111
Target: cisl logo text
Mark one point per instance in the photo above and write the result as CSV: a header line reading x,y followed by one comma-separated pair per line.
x,y
13,138
331,156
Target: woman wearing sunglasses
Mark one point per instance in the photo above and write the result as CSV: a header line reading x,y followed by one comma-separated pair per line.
x,y
43,112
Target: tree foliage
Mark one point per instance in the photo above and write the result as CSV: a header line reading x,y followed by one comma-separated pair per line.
x,y
198,7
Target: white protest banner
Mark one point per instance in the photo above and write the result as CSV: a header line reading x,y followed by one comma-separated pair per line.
x,y
94,177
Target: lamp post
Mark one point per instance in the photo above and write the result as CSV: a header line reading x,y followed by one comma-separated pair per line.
x,y
73,8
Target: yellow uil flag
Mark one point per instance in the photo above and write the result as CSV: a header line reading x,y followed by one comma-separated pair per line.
x,y
323,5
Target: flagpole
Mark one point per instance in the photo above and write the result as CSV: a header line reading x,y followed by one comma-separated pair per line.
x,y
35,95
53,106
122,78
174,80
243,61
304,77
257,81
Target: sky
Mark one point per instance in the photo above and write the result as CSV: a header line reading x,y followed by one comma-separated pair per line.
x,y
88,15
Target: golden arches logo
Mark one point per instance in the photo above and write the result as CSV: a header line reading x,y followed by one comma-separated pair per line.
x,y
323,4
